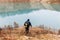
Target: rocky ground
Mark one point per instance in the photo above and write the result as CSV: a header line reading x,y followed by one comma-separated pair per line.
x,y
34,34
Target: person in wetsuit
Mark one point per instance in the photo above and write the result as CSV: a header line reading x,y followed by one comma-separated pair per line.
x,y
27,24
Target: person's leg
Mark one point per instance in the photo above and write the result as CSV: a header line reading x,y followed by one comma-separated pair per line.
x,y
27,30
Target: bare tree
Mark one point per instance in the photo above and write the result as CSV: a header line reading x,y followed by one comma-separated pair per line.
x,y
16,25
59,31
0,30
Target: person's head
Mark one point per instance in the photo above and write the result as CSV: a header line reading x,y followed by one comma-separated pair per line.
x,y
28,19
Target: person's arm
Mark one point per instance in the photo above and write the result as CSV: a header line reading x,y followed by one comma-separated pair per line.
x,y
24,24
30,24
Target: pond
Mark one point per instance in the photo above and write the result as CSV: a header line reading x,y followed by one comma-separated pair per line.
x,y
37,16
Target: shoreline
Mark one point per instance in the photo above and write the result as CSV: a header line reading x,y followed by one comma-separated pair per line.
x,y
34,34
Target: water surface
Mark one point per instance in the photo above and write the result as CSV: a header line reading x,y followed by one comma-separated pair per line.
x,y
38,13
37,17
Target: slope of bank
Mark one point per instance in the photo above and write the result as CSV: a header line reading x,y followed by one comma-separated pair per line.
x,y
35,33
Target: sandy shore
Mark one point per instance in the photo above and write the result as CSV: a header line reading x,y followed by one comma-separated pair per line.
x,y
35,33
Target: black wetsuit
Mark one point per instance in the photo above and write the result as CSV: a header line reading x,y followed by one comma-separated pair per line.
x,y
27,24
